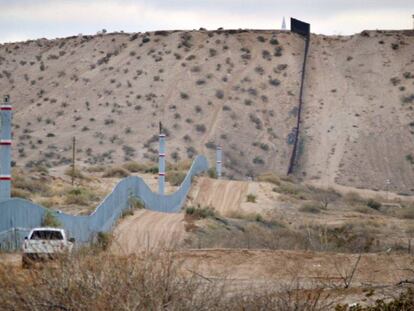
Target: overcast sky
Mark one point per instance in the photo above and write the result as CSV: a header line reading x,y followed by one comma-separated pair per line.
x,y
31,19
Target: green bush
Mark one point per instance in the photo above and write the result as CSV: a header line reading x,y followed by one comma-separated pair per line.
x,y
175,178
116,172
29,184
80,196
135,203
251,198
127,212
200,212
212,172
76,173
50,220
373,204
133,167
270,178
259,218
104,240
310,207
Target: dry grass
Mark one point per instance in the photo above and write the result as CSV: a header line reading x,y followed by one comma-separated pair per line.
x,y
91,280
270,178
118,172
175,178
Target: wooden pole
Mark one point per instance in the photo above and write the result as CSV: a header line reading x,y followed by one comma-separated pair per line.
x,y
73,159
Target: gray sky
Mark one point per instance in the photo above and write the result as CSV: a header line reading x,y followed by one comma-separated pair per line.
x,y
31,19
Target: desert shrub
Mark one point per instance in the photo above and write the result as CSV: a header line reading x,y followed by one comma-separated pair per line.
x,y
258,160
410,158
210,145
184,95
94,280
29,184
363,209
49,220
135,203
75,173
405,301
406,213
96,169
371,203
212,52
274,41
116,172
266,55
135,167
310,207
270,178
407,99
251,198
274,82
200,212
256,120
354,198
212,172
219,94
259,70
261,39
127,212
264,147
200,128
103,240
175,178
278,51
48,202
295,190
20,193
80,196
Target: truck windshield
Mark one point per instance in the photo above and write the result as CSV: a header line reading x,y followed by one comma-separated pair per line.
x,y
46,235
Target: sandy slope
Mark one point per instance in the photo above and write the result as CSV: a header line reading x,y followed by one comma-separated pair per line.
x,y
356,126
229,196
147,230
236,89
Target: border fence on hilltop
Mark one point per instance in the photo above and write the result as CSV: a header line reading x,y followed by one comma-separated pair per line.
x,y
302,29
19,216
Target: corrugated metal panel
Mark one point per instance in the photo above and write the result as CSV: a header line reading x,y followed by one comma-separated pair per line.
x,y
18,216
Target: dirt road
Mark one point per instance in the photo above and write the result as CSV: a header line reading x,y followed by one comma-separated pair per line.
x,y
146,230
285,266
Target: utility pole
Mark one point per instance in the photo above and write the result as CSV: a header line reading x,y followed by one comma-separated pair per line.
x,y
73,158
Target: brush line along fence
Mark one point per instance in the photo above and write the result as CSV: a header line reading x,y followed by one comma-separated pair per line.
x,y
18,216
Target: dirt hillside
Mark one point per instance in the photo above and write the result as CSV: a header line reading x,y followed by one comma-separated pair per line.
x,y
238,89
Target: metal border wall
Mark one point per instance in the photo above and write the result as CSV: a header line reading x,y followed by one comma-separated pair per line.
x,y
302,29
18,216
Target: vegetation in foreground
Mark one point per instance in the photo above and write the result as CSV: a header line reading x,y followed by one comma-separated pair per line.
x,y
95,280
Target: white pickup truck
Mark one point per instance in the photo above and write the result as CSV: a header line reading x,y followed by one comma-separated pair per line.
x,y
45,243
